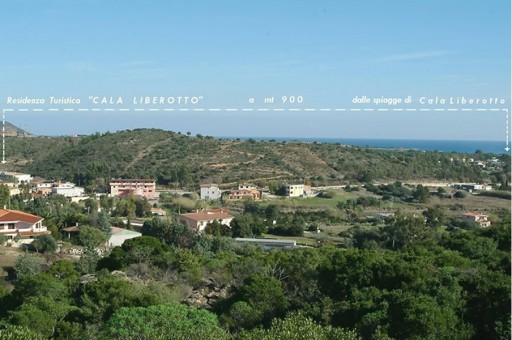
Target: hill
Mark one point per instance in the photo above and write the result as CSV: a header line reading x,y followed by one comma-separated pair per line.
x,y
12,130
184,161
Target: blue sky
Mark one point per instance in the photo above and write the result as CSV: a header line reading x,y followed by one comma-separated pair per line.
x,y
228,51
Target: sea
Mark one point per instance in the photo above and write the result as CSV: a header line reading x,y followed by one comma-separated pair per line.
x,y
460,146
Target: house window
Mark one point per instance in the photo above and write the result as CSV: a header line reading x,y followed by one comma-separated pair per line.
x,y
11,226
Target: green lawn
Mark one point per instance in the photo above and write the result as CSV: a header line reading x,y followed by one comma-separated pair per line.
x,y
314,202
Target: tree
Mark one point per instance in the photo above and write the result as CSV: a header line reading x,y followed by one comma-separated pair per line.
x,y
215,228
65,272
434,217
99,300
25,192
402,231
460,194
297,326
88,261
421,194
171,321
247,225
41,314
5,195
91,237
177,234
26,265
272,212
416,316
92,205
142,207
104,224
45,244
12,332
130,207
265,295
106,203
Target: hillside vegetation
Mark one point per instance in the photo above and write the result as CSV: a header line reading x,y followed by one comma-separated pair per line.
x,y
183,161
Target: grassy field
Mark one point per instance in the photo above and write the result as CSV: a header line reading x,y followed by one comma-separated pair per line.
x,y
317,202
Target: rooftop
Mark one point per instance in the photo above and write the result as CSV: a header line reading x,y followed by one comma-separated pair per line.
x,y
472,214
132,180
15,215
209,215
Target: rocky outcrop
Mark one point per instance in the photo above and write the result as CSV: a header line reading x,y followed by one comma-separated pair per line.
x,y
206,296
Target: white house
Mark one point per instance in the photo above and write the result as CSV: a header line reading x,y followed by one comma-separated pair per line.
x,y
473,187
294,190
210,191
19,225
17,177
199,220
68,190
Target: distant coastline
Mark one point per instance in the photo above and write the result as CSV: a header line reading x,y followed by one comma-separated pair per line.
x,y
460,146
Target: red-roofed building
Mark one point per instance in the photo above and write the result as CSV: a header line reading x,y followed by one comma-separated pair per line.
x,y
200,219
240,194
482,220
16,224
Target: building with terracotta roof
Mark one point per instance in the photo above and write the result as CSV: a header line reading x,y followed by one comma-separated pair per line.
x,y
482,220
199,220
16,224
138,187
240,194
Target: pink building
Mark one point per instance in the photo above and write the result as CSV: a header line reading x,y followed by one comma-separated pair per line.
x,y
244,193
138,187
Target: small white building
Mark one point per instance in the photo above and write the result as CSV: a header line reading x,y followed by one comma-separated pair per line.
x,y
119,235
42,184
294,190
68,190
17,177
473,187
210,191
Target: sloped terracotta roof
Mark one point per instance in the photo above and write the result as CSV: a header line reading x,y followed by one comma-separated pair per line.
x,y
206,216
15,215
